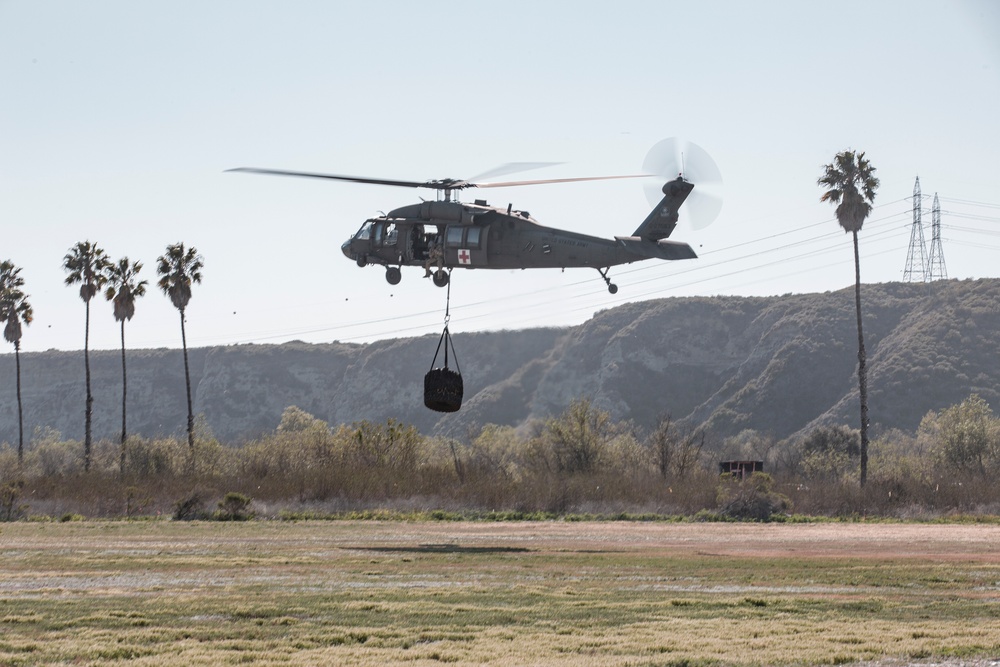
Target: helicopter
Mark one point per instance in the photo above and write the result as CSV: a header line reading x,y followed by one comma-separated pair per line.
x,y
446,233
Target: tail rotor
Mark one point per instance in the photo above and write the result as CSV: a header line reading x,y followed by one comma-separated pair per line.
x,y
675,157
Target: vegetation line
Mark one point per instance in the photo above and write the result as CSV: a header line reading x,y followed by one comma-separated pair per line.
x,y
580,465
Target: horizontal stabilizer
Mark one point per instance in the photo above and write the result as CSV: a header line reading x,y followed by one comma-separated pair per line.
x,y
662,249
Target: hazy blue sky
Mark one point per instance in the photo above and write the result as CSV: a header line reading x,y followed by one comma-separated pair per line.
x,y
119,118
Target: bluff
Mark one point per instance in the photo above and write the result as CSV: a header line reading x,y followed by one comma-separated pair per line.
x,y
779,365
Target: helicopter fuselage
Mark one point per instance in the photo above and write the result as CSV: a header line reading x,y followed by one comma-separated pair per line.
x,y
451,234
446,234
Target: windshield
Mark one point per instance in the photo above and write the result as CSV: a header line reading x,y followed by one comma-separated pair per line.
x,y
365,232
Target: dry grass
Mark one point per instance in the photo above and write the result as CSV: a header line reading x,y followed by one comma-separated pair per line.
x,y
375,593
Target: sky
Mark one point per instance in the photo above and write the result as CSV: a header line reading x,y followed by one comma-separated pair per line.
x,y
119,119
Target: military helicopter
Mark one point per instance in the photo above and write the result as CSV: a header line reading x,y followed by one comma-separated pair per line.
x,y
445,234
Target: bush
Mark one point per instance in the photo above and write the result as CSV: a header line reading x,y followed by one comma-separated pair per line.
x,y
190,508
151,458
580,463
10,496
135,501
234,507
752,498
969,437
576,441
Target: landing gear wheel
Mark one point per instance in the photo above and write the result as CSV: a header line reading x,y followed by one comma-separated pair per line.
x,y
607,281
362,261
393,275
441,278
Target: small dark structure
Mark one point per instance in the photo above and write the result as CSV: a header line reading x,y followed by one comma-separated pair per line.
x,y
741,469
443,387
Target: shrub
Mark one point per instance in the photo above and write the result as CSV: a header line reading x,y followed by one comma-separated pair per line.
x,y
190,508
135,501
150,458
234,507
842,439
676,450
297,420
752,498
574,442
969,437
393,446
55,457
580,462
10,496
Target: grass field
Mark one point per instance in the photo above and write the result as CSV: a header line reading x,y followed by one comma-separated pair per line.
x,y
533,593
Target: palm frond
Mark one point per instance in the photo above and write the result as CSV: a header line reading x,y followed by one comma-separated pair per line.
x,y
850,184
86,263
14,306
124,287
179,268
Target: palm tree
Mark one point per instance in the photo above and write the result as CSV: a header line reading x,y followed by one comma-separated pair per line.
x,y
178,268
124,287
14,309
851,185
86,263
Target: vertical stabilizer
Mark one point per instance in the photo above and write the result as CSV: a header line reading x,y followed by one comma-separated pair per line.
x,y
660,223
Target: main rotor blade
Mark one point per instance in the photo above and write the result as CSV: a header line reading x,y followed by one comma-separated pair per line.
x,y
508,184
446,184
335,177
510,168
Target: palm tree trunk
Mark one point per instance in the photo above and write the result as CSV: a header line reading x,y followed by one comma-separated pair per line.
x,y
90,398
862,365
187,380
20,414
121,461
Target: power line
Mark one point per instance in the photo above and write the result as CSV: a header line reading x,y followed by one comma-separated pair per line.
x,y
525,301
969,216
972,230
881,227
970,202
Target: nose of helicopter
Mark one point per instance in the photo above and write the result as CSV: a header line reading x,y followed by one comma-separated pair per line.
x,y
346,249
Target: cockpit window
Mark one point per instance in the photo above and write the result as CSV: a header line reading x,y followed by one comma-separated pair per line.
x,y
382,233
365,232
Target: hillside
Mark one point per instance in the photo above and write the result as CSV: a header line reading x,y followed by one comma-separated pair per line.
x,y
774,364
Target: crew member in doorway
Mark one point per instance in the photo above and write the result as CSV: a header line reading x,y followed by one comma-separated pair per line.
x,y
435,255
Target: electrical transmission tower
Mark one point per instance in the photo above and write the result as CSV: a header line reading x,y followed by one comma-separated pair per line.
x,y
916,257
936,269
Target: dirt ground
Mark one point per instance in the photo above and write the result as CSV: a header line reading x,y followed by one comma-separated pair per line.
x,y
876,541
77,562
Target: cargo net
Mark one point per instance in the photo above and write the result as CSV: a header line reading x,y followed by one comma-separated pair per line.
x,y
443,386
